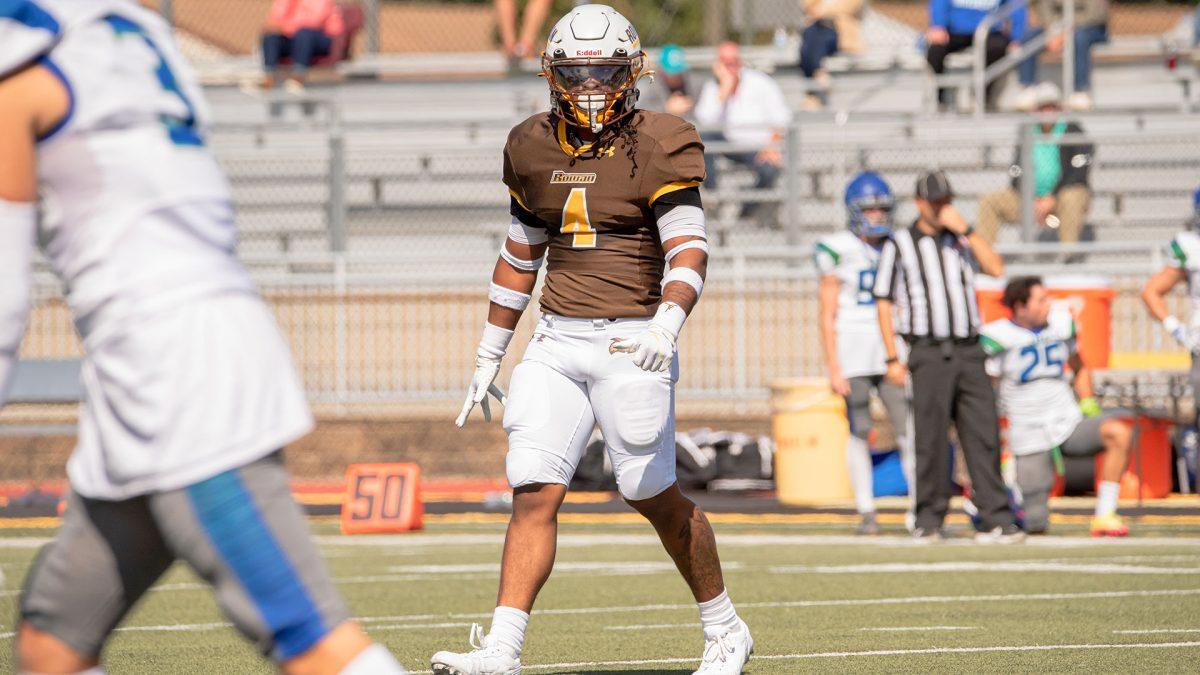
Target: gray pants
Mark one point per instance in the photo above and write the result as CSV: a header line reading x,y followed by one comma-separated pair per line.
x,y
858,405
1036,472
240,531
951,385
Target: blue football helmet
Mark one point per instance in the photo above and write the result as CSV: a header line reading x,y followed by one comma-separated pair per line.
x,y
1196,210
869,190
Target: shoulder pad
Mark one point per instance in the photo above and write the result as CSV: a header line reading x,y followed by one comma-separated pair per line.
x,y
997,336
27,32
1062,323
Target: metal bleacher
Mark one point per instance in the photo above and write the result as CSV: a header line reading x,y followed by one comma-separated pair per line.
x,y
421,165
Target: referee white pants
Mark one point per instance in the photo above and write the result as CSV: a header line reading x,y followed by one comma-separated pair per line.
x,y
567,383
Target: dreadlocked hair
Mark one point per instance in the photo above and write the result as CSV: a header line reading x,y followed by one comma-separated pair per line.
x,y
624,132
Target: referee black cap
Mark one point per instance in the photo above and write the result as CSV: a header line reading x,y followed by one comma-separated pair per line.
x,y
934,187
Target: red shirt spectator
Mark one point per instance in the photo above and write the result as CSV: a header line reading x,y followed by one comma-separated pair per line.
x,y
289,16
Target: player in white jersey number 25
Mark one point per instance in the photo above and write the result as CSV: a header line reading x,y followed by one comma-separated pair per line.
x,y
854,353
189,389
1046,394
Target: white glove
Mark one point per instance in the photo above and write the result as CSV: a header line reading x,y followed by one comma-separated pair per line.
x,y
482,384
491,350
1181,333
654,348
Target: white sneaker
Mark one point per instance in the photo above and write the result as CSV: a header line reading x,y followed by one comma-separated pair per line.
x,y
1080,101
727,654
485,658
1026,100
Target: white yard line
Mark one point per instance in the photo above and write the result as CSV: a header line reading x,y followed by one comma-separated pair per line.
x,y
847,602
421,540
1156,631
876,652
982,566
731,540
654,626
913,629
413,626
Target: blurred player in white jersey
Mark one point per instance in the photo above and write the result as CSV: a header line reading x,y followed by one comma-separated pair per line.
x,y
854,353
1034,356
1183,265
189,387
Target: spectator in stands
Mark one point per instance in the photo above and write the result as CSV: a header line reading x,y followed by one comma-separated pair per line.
x,y
671,91
524,46
1060,178
300,30
952,25
1091,28
746,108
832,26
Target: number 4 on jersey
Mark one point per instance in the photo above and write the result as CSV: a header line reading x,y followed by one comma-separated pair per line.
x,y
575,220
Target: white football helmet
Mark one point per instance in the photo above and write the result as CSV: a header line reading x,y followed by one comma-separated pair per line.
x,y
593,61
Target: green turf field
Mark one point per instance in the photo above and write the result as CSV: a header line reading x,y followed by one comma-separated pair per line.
x,y
815,601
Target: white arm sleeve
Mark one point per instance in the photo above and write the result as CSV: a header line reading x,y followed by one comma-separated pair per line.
x,y
682,221
18,227
524,234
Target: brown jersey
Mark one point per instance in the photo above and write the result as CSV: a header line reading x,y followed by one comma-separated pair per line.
x,y
605,259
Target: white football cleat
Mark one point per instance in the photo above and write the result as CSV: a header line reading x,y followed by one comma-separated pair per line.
x,y
485,658
727,654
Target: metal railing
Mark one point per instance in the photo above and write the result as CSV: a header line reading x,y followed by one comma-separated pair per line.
x,y
378,329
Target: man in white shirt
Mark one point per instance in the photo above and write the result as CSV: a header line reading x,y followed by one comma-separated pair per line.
x,y
747,108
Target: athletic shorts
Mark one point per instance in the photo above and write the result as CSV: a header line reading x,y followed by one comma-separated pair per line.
x,y
567,383
240,531
858,405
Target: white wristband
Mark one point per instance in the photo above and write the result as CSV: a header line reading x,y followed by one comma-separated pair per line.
x,y
507,297
687,276
670,317
494,342
1171,324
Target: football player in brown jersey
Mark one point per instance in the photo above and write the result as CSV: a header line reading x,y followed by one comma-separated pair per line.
x,y
610,194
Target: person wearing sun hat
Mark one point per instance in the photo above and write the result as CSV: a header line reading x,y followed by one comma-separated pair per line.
x,y
672,89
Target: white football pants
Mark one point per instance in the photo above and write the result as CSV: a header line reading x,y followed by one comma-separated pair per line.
x,y
566,384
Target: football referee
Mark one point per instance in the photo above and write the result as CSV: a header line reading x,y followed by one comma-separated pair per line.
x,y
927,275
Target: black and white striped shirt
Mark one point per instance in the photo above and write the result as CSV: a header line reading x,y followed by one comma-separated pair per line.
x,y
930,280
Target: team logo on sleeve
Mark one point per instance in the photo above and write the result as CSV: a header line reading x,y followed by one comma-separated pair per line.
x,y
563,177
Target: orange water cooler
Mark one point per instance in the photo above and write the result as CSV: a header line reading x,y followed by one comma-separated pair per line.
x,y
1089,299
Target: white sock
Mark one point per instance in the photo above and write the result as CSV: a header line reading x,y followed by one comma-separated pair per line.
x,y
858,459
508,628
1106,497
908,463
372,660
717,616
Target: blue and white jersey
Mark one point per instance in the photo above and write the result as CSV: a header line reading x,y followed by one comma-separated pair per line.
x,y
854,261
1035,383
186,374
136,213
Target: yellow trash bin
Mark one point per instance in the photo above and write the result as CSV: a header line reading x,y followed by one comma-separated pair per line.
x,y
810,428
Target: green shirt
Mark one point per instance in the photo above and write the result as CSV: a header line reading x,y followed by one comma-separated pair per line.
x,y
1047,162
